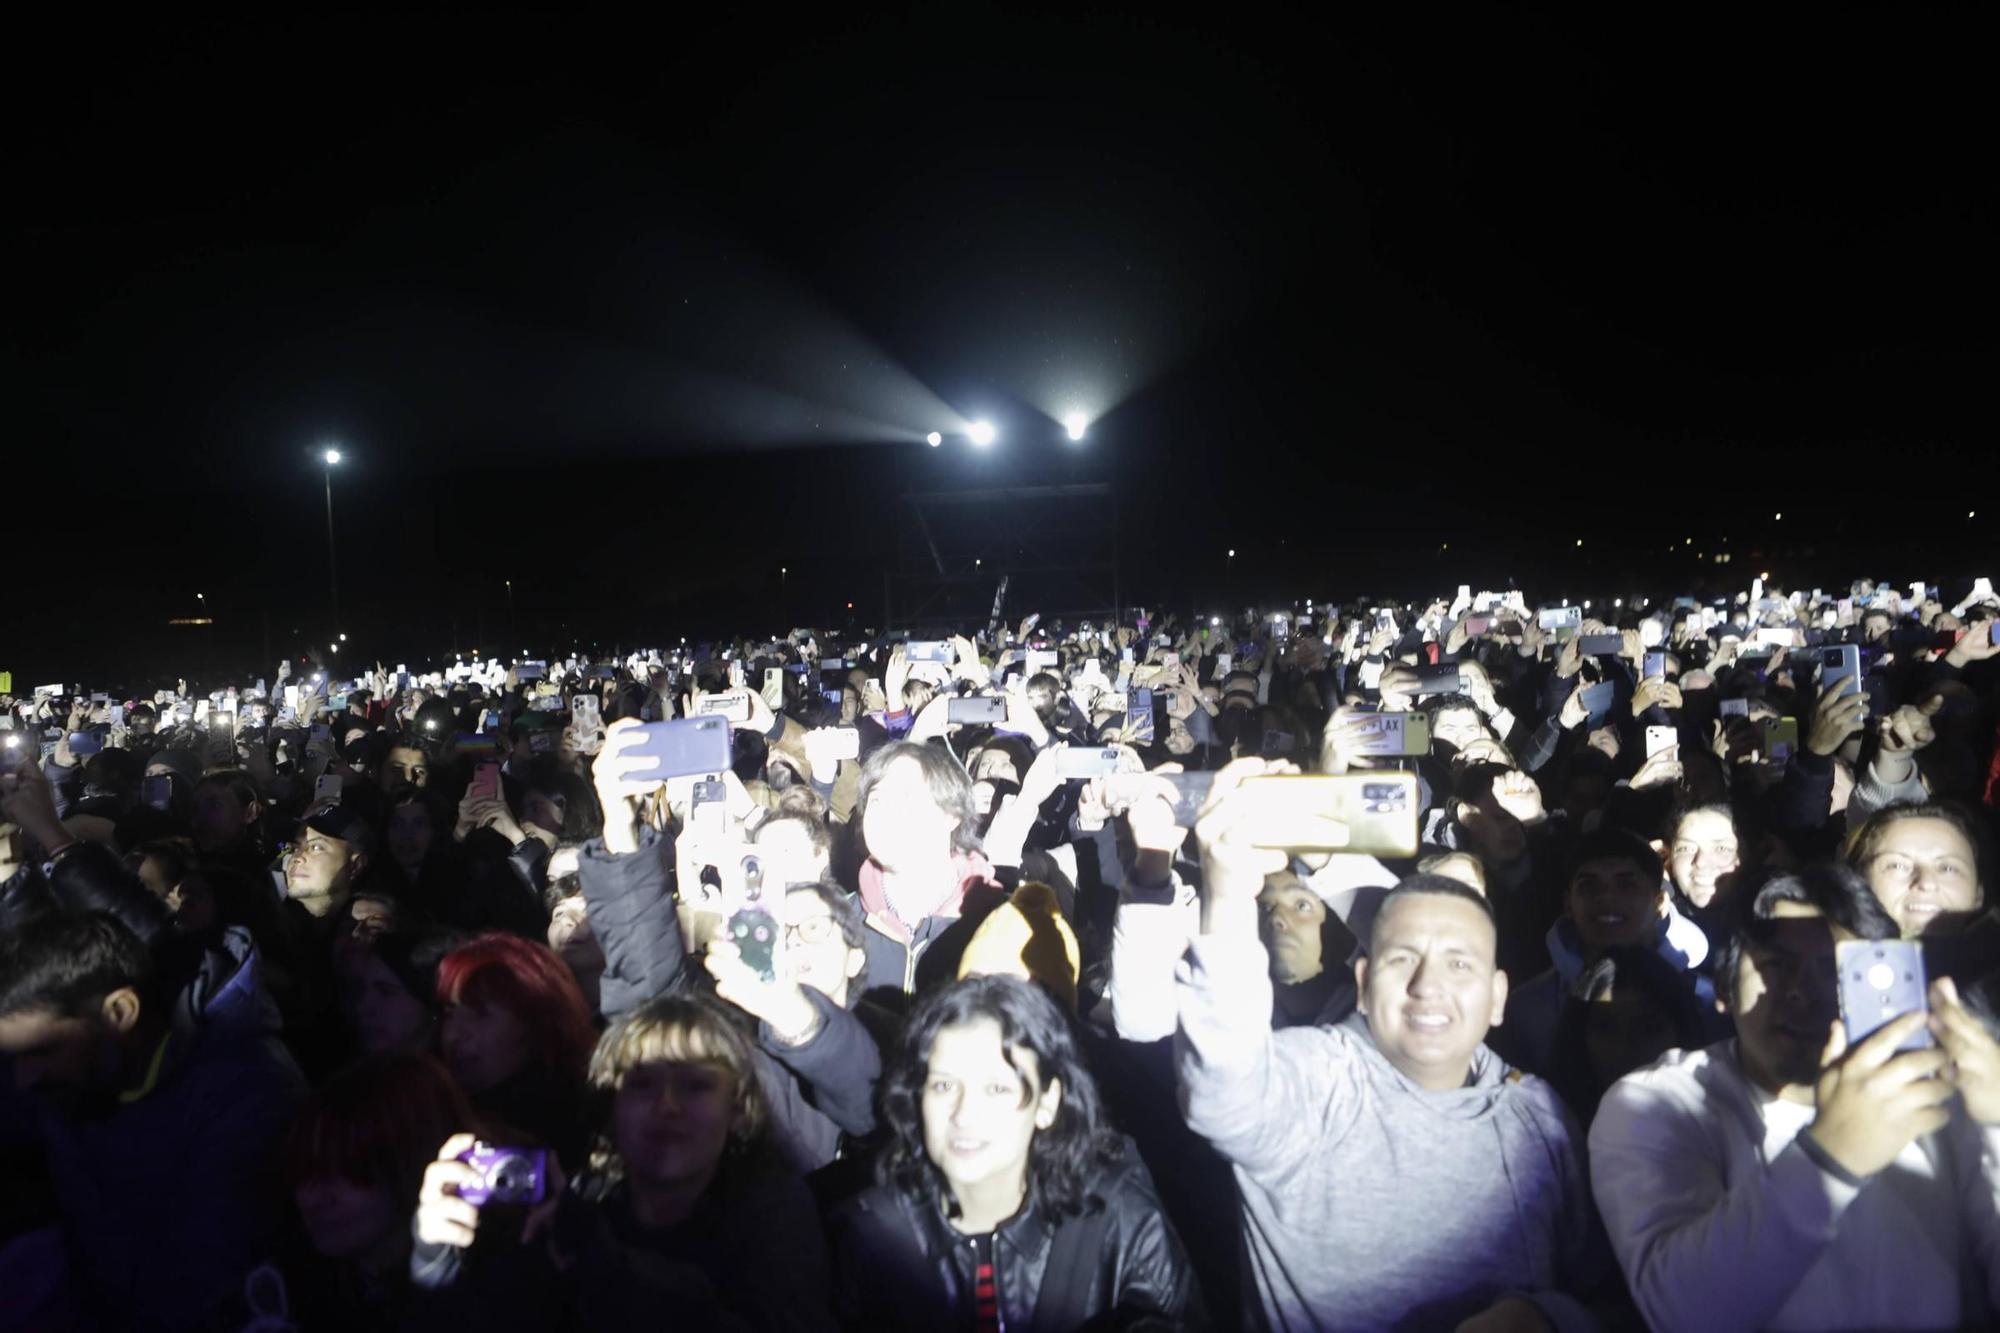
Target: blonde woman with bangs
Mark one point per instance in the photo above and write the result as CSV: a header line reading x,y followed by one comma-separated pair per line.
x,y
683,1216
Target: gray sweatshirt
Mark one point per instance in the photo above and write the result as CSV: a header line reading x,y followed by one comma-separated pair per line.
x,y
1369,1202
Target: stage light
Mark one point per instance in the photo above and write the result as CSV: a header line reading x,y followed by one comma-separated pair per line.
x,y
332,456
934,439
982,433
1075,424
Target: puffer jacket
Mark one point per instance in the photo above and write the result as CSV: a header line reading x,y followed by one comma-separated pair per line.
x,y
900,1265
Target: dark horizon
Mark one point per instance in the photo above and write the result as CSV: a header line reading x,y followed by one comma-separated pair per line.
x,y
636,330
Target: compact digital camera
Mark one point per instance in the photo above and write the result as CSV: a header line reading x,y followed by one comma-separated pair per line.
x,y
506,1175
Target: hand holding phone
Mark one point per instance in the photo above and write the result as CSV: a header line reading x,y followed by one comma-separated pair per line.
x,y
680,748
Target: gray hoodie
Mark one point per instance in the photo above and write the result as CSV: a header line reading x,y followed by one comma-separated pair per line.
x,y
1367,1201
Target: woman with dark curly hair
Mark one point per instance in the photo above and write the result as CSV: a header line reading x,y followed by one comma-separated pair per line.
x,y
1004,1201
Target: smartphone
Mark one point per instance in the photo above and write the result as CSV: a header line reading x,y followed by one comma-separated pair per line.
x,y
845,742
1601,645
85,743
1840,666
751,912
1393,735
729,705
1881,980
1781,738
708,808
1659,740
1041,661
774,687
157,791
1558,619
1775,638
928,650
222,733
1138,729
1655,667
1379,812
584,709
1441,679
1735,708
1993,632
1076,762
1598,699
327,789
485,784
530,670
835,697
683,747
977,709
1476,626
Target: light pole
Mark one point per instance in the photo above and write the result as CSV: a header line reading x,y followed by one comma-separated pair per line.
x,y
331,457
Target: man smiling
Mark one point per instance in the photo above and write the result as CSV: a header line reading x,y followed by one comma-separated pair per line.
x,y
1401,1112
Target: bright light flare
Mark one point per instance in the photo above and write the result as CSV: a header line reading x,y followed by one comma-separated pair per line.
x,y
934,439
982,433
332,456
1075,424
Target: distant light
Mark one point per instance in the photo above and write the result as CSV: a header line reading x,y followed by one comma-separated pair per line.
x,y
1215,620
850,606
976,563
1232,553
1765,575
1687,541
934,439
343,638
332,456
1970,513
982,433
1586,604
1579,541
1618,601
1777,516
1076,423
334,646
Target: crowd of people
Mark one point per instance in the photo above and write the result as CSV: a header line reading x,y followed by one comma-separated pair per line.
x,y
1449,965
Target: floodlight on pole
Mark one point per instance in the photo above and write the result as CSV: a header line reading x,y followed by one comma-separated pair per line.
x,y
982,433
1076,424
934,439
330,458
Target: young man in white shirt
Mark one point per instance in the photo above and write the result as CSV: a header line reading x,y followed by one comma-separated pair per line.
x,y
1783,1181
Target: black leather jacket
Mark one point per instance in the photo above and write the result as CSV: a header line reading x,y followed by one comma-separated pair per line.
x,y
900,1265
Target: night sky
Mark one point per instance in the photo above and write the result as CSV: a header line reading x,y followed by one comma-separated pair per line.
x,y
637,316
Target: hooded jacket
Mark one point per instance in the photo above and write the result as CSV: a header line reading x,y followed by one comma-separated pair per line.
x,y
896,947
160,1196
902,1266
1534,1008
1368,1201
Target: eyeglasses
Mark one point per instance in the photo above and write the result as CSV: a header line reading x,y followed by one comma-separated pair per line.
x,y
812,930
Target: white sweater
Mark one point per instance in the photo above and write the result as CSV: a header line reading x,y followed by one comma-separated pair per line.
x,y
1722,1221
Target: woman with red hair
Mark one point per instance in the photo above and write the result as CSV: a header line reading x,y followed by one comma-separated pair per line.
x,y
517,1035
